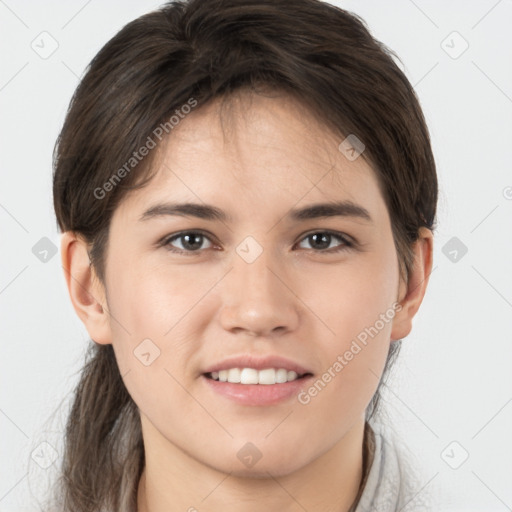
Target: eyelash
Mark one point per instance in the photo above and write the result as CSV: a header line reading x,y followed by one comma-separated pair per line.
x,y
346,243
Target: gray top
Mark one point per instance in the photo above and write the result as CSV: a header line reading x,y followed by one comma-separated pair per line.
x,y
392,483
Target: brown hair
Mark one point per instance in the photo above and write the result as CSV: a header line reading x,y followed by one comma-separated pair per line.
x,y
206,49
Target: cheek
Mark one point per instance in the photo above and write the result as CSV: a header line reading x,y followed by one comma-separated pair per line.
x,y
357,306
153,322
153,334
150,301
353,364
354,296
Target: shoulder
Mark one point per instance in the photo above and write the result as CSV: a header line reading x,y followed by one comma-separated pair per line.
x,y
393,482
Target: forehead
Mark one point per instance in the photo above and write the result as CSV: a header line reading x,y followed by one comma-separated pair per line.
x,y
250,128
257,149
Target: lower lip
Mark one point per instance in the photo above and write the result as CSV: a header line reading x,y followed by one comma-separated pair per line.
x,y
258,394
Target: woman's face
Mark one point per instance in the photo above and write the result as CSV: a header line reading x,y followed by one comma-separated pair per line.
x,y
259,285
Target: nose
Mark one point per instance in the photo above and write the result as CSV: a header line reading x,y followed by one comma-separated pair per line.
x,y
258,298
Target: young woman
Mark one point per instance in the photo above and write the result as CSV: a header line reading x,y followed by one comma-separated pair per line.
x,y
247,195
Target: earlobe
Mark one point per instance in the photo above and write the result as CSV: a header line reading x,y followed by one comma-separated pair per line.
x,y
86,292
416,287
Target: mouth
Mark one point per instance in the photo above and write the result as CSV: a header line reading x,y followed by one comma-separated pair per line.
x,y
256,379
253,376
262,386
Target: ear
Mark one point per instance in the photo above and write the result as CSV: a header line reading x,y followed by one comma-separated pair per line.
x,y
86,291
411,293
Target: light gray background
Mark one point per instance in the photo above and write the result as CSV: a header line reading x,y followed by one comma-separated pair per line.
x,y
452,388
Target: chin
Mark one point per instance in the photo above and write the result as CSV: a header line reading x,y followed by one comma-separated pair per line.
x,y
266,466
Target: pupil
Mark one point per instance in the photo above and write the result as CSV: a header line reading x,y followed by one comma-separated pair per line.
x,y
326,240
191,245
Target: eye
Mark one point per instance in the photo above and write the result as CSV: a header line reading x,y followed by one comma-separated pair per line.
x,y
190,241
321,240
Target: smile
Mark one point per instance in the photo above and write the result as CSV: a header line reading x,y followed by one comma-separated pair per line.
x,y
267,376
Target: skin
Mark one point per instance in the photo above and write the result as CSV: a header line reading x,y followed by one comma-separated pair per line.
x,y
267,157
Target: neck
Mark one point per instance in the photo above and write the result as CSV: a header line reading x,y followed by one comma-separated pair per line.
x,y
330,483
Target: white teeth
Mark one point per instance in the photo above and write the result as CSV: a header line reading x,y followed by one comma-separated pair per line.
x,y
234,375
291,375
252,376
281,376
249,376
267,376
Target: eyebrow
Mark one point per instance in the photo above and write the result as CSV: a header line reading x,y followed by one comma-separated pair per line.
x,y
209,212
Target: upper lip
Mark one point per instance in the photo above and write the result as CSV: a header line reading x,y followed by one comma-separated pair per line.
x,y
258,363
